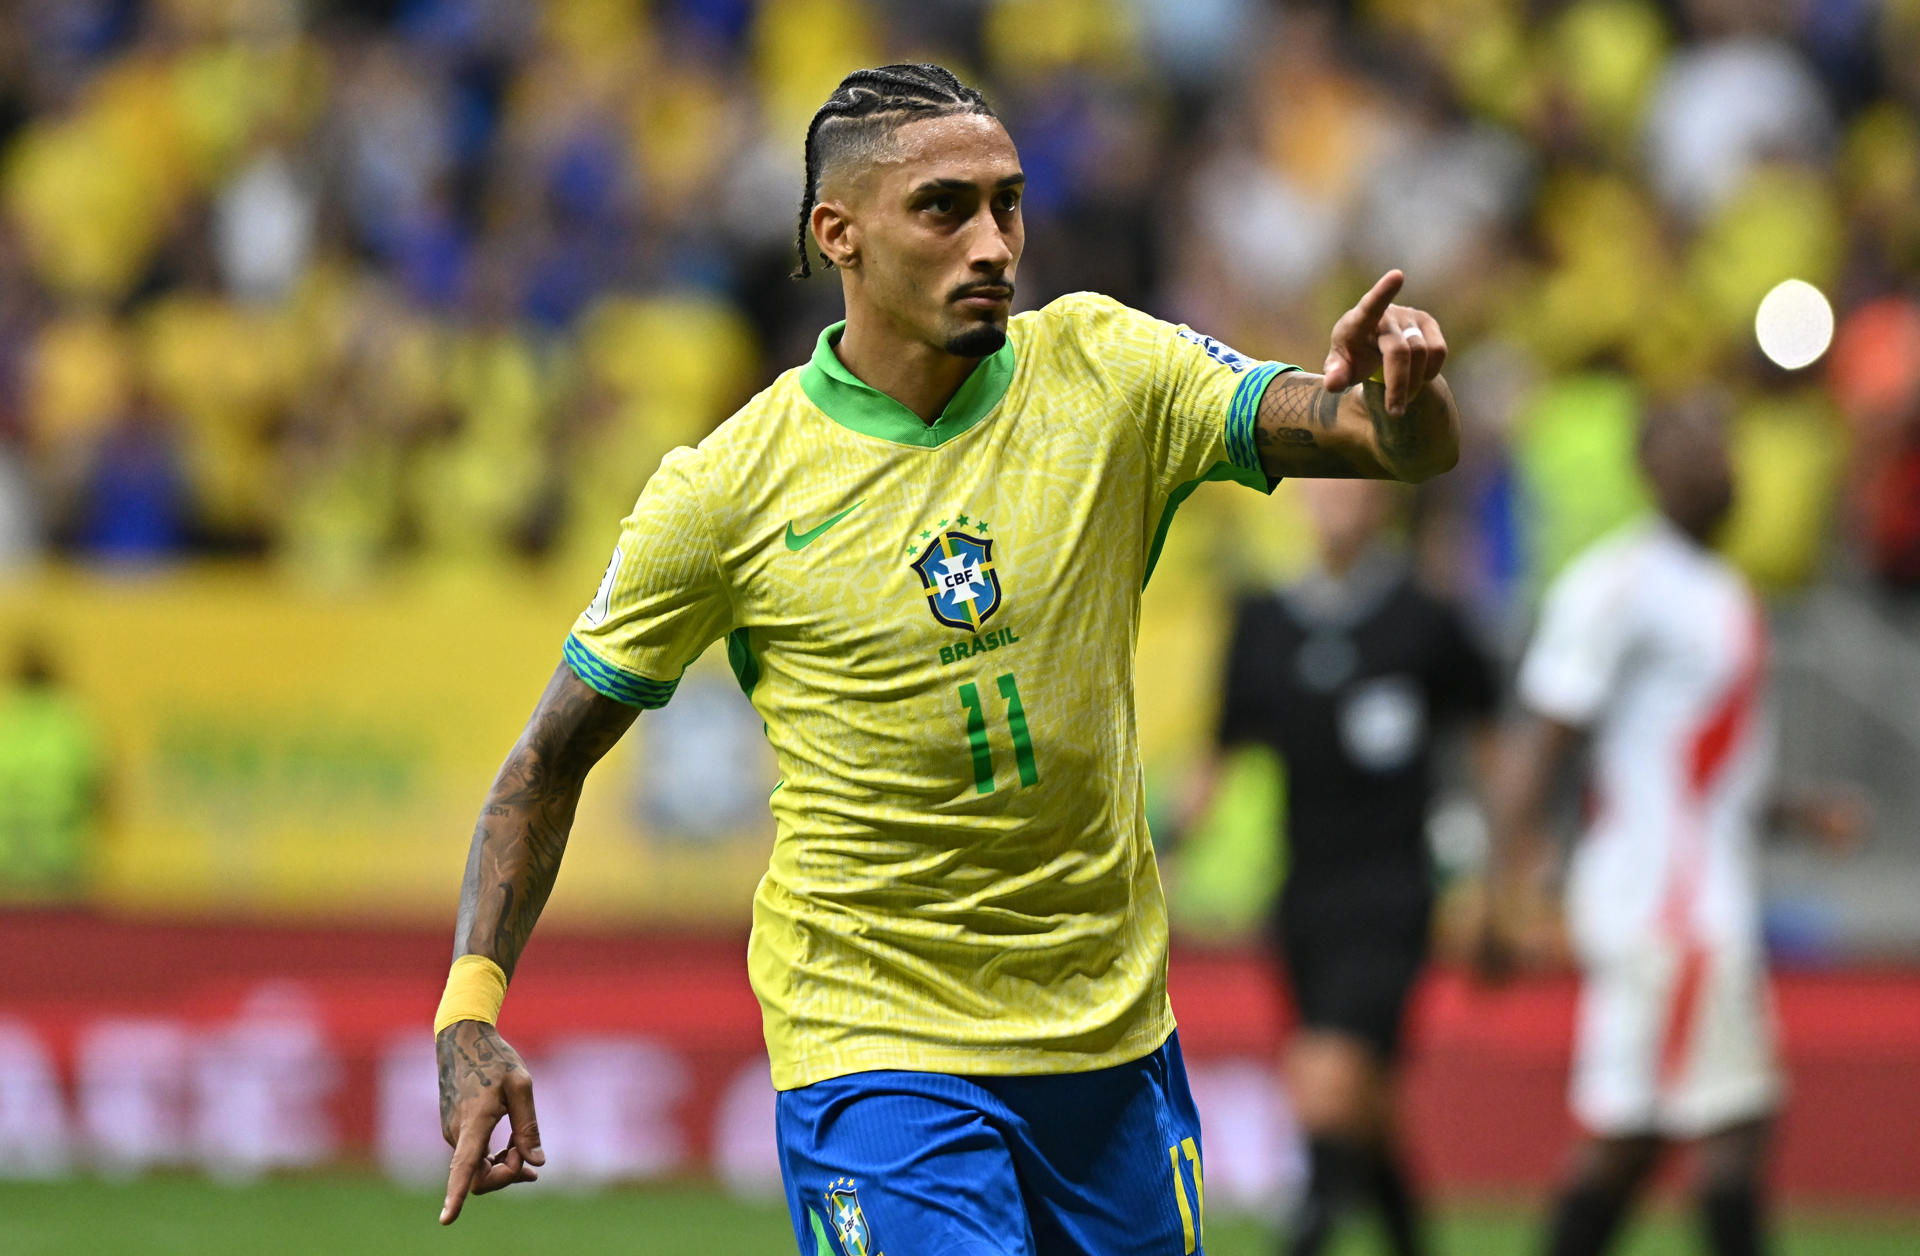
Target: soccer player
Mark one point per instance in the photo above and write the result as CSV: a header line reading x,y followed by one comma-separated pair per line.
x,y
925,550
1655,647
1350,675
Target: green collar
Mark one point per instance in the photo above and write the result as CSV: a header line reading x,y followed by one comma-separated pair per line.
x,y
853,403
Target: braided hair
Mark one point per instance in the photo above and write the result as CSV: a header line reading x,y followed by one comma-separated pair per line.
x,y
867,105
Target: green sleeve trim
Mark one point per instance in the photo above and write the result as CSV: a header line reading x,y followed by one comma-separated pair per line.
x,y
616,682
1218,471
1243,413
745,663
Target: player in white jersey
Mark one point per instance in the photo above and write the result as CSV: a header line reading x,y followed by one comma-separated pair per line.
x,y
1655,647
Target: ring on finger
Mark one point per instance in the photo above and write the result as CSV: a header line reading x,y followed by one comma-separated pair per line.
x,y
1411,332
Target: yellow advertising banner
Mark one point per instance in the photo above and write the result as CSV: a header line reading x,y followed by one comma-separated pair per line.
x,y
277,750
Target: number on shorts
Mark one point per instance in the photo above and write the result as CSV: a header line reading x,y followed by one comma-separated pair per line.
x,y
1193,1218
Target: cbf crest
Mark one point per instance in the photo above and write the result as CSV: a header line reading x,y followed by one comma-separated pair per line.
x,y
958,577
849,1222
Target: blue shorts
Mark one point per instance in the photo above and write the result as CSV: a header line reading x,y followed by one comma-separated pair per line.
x,y
894,1163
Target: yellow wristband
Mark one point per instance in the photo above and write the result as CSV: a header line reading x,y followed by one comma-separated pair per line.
x,y
476,987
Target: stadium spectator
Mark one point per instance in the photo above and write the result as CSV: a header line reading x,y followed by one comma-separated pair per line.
x,y
1875,376
134,503
207,199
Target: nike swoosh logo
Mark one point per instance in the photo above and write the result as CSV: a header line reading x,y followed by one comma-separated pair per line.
x,y
800,540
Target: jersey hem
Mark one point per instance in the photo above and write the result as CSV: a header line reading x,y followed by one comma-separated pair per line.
x,y
611,681
980,1061
1218,471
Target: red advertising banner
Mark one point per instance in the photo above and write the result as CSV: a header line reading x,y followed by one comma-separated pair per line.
x,y
237,1050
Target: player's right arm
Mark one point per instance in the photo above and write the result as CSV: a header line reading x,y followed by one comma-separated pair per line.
x,y
662,601
1404,426
1571,670
511,866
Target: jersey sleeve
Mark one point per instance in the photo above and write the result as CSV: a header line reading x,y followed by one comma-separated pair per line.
x,y
1582,638
663,599
1195,399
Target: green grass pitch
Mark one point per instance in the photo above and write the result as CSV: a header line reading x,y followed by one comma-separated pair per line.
x,y
338,1215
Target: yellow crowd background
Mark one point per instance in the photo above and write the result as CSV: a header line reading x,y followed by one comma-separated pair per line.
x,y
335,339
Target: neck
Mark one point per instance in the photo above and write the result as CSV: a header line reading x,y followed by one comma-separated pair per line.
x,y
912,372
1700,534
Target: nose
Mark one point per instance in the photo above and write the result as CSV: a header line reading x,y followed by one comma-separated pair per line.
x,y
990,250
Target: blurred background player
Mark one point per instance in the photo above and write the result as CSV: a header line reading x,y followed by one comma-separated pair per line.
x,y
1655,647
1350,674
51,784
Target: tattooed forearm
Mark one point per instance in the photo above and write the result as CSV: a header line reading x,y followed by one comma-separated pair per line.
x,y
1304,430
1294,402
522,833
1297,432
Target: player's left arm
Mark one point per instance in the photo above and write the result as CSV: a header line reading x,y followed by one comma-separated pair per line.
x,y
1403,426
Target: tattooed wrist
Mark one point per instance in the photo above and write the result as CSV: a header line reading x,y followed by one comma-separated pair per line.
x,y
1397,437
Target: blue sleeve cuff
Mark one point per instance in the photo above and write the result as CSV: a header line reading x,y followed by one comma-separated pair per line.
x,y
615,682
1244,412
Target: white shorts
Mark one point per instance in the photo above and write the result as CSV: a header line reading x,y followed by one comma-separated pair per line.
x,y
1674,1041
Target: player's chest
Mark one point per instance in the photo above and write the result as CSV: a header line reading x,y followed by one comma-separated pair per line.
x,y
866,554
1702,640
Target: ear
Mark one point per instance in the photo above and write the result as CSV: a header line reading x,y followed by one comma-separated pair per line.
x,y
836,233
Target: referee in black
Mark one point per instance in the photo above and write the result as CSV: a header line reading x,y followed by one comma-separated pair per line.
x,y
1349,675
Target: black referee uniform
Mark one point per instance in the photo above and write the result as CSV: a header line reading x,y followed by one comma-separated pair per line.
x,y
1349,680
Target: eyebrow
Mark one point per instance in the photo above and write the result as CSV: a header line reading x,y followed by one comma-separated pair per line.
x,y
962,185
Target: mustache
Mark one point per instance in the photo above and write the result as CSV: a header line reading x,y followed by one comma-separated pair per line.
x,y
983,288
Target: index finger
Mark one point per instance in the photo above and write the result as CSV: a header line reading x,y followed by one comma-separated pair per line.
x,y
1381,295
468,1156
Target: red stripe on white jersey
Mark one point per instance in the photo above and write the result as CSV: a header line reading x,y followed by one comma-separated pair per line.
x,y
1709,750
1683,1012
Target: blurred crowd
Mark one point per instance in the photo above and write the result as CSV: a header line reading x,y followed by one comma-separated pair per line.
x,y
339,284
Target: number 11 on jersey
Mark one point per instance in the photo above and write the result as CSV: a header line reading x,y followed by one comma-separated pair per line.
x,y
977,734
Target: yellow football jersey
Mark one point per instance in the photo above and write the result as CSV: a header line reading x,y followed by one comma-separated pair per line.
x,y
937,623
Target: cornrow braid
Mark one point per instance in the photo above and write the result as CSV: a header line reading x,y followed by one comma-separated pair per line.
x,y
875,99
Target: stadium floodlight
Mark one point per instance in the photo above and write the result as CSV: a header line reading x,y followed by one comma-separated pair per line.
x,y
1794,324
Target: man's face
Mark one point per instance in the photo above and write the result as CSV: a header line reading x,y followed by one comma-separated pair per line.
x,y
935,220
1690,467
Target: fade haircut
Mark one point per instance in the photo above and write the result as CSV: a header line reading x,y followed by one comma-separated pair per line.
x,y
863,111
